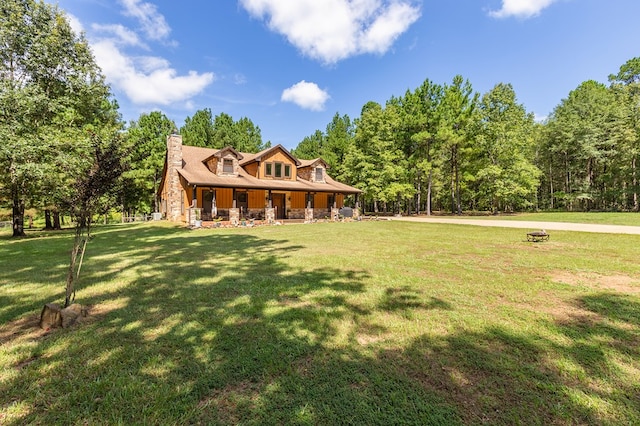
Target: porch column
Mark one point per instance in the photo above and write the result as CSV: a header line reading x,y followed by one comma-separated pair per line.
x,y
194,196
308,211
214,205
269,211
234,199
334,209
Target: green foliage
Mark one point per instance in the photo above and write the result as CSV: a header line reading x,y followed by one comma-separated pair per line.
x,y
220,131
51,92
148,140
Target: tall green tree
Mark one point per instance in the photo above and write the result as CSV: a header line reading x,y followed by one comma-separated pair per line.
x,y
50,89
199,130
420,121
506,177
580,146
375,161
148,139
217,132
456,114
311,146
339,137
626,88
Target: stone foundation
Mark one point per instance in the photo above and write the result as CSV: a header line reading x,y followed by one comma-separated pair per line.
x,y
234,216
335,215
308,215
270,215
295,214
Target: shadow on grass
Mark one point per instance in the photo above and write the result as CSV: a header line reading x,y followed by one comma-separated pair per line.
x,y
223,328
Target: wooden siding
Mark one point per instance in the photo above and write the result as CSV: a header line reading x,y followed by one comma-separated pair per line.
x,y
252,169
224,198
320,201
279,157
256,199
298,200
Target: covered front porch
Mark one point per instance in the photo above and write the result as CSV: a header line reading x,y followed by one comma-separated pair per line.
x,y
235,205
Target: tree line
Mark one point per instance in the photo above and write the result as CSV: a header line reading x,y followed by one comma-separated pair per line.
x,y
438,147
446,147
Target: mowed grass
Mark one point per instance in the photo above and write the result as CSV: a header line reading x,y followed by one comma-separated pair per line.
x,y
334,323
599,218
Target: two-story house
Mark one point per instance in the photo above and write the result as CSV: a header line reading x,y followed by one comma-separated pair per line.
x,y
224,183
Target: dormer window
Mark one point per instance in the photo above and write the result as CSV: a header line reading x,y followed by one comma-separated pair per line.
x,y
319,174
227,166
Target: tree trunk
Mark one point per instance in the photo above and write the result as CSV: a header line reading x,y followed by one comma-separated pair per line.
x,y
18,215
48,225
429,194
56,220
636,204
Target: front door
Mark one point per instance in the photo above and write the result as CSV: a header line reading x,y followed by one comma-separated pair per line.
x,y
278,204
243,202
207,203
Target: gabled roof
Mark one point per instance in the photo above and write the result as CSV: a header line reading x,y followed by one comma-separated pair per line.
x,y
195,171
311,163
220,153
250,158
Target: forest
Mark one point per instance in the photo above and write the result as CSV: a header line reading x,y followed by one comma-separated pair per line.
x,y
438,147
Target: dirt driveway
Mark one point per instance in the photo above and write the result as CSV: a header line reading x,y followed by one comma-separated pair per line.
x,y
531,225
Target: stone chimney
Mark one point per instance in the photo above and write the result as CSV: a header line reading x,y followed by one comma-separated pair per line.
x,y
174,188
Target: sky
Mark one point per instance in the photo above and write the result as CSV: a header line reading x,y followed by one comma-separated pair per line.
x,y
291,65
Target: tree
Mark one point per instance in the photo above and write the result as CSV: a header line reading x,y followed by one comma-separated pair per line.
x,y
506,177
148,138
50,88
221,131
626,88
420,116
199,131
97,174
580,145
456,115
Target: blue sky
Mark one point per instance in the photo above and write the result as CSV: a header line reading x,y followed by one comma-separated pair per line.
x,y
290,65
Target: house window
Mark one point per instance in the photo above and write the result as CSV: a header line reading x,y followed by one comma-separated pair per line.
x,y
277,170
268,169
319,175
227,166
287,171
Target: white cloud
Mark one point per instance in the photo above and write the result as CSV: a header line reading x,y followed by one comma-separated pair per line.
x,y
332,30
123,35
147,80
306,95
521,8
153,23
74,23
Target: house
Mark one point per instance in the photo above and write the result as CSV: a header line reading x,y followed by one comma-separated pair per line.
x,y
206,183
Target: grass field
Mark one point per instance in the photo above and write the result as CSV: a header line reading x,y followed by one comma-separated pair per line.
x,y
600,218
345,323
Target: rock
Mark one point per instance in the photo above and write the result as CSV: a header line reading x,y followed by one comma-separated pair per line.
x,y
71,313
50,317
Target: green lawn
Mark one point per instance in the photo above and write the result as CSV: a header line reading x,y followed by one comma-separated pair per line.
x,y
346,323
613,218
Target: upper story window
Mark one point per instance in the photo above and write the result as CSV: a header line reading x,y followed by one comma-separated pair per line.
x,y
227,166
277,170
319,174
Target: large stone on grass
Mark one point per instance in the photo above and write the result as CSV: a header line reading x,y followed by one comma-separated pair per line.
x,y
53,316
50,317
71,313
